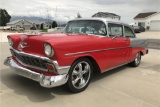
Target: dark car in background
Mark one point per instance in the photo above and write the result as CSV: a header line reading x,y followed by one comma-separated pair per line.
x,y
138,29
13,28
33,28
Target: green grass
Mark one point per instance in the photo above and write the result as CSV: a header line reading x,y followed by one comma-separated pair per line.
x,y
44,30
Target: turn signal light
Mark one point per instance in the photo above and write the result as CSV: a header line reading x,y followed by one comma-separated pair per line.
x,y
50,67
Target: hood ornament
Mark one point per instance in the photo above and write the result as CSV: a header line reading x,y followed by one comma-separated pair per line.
x,y
24,44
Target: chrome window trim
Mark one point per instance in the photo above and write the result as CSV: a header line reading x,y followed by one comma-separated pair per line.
x,y
130,29
105,23
84,52
117,24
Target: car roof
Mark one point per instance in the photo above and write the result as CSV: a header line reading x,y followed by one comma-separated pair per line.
x,y
101,19
105,20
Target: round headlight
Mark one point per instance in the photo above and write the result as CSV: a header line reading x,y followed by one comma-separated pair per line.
x,y
10,41
48,50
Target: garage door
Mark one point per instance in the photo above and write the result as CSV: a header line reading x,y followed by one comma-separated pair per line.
x,y
27,27
155,25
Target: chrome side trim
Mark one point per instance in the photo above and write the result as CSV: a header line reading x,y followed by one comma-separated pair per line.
x,y
45,81
76,53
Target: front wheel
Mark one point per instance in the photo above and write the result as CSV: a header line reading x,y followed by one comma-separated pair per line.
x,y
137,60
80,75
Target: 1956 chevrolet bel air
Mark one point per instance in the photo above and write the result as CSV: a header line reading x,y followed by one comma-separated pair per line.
x,y
86,46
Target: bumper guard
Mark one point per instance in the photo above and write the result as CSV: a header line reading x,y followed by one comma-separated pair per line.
x,y
45,81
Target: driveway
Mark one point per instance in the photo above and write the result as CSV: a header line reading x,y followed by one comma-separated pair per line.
x,y
153,38
121,87
149,35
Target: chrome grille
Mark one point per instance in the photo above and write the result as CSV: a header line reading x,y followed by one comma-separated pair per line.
x,y
30,60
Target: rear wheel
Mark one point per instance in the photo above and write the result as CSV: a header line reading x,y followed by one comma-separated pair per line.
x,y
80,75
137,60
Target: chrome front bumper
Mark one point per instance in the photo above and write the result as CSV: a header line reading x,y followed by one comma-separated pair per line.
x,y
45,81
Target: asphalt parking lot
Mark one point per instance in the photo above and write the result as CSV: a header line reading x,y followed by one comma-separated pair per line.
x,y
154,43
121,87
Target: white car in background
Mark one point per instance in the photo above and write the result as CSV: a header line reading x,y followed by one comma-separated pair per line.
x,y
5,28
56,30
17,28
13,28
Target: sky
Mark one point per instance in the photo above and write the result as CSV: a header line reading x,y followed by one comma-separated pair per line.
x,y
65,10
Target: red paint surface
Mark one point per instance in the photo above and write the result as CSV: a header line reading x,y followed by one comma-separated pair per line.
x,y
72,43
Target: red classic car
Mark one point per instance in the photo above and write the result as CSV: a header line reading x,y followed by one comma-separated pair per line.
x,y
87,46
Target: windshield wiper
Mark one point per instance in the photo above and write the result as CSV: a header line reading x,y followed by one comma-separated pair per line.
x,y
81,33
69,32
75,32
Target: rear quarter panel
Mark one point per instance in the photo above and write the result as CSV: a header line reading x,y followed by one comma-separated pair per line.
x,y
138,45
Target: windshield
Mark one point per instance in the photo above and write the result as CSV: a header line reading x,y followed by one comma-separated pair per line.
x,y
87,27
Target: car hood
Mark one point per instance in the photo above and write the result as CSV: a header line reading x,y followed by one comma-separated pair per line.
x,y
65,42
61,38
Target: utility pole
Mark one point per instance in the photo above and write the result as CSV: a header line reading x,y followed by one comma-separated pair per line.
x,y
47,11
48,16
55,14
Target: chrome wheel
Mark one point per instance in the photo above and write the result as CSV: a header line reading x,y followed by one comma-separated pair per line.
x,y
81,75
137,59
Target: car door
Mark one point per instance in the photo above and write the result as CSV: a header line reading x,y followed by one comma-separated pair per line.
x,y
118,49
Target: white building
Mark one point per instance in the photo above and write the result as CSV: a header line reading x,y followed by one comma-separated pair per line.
x,y
150,20
27,24
107,15
20,23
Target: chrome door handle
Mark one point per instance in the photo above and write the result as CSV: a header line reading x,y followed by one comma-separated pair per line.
x,y
126,39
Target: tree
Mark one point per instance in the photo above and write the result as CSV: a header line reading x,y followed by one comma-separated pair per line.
x,y
42,26
4,17
50,26
54,24
79,16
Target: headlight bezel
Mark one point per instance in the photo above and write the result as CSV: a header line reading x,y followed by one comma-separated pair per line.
x,y
10,41
48,47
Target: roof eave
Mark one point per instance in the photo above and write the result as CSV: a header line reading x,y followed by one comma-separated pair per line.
x,y
148,16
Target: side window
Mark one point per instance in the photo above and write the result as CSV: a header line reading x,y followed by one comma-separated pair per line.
x,y
115,30
128,32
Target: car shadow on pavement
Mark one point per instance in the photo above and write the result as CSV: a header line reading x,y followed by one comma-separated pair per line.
x,y
26,87
109,72
36,93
